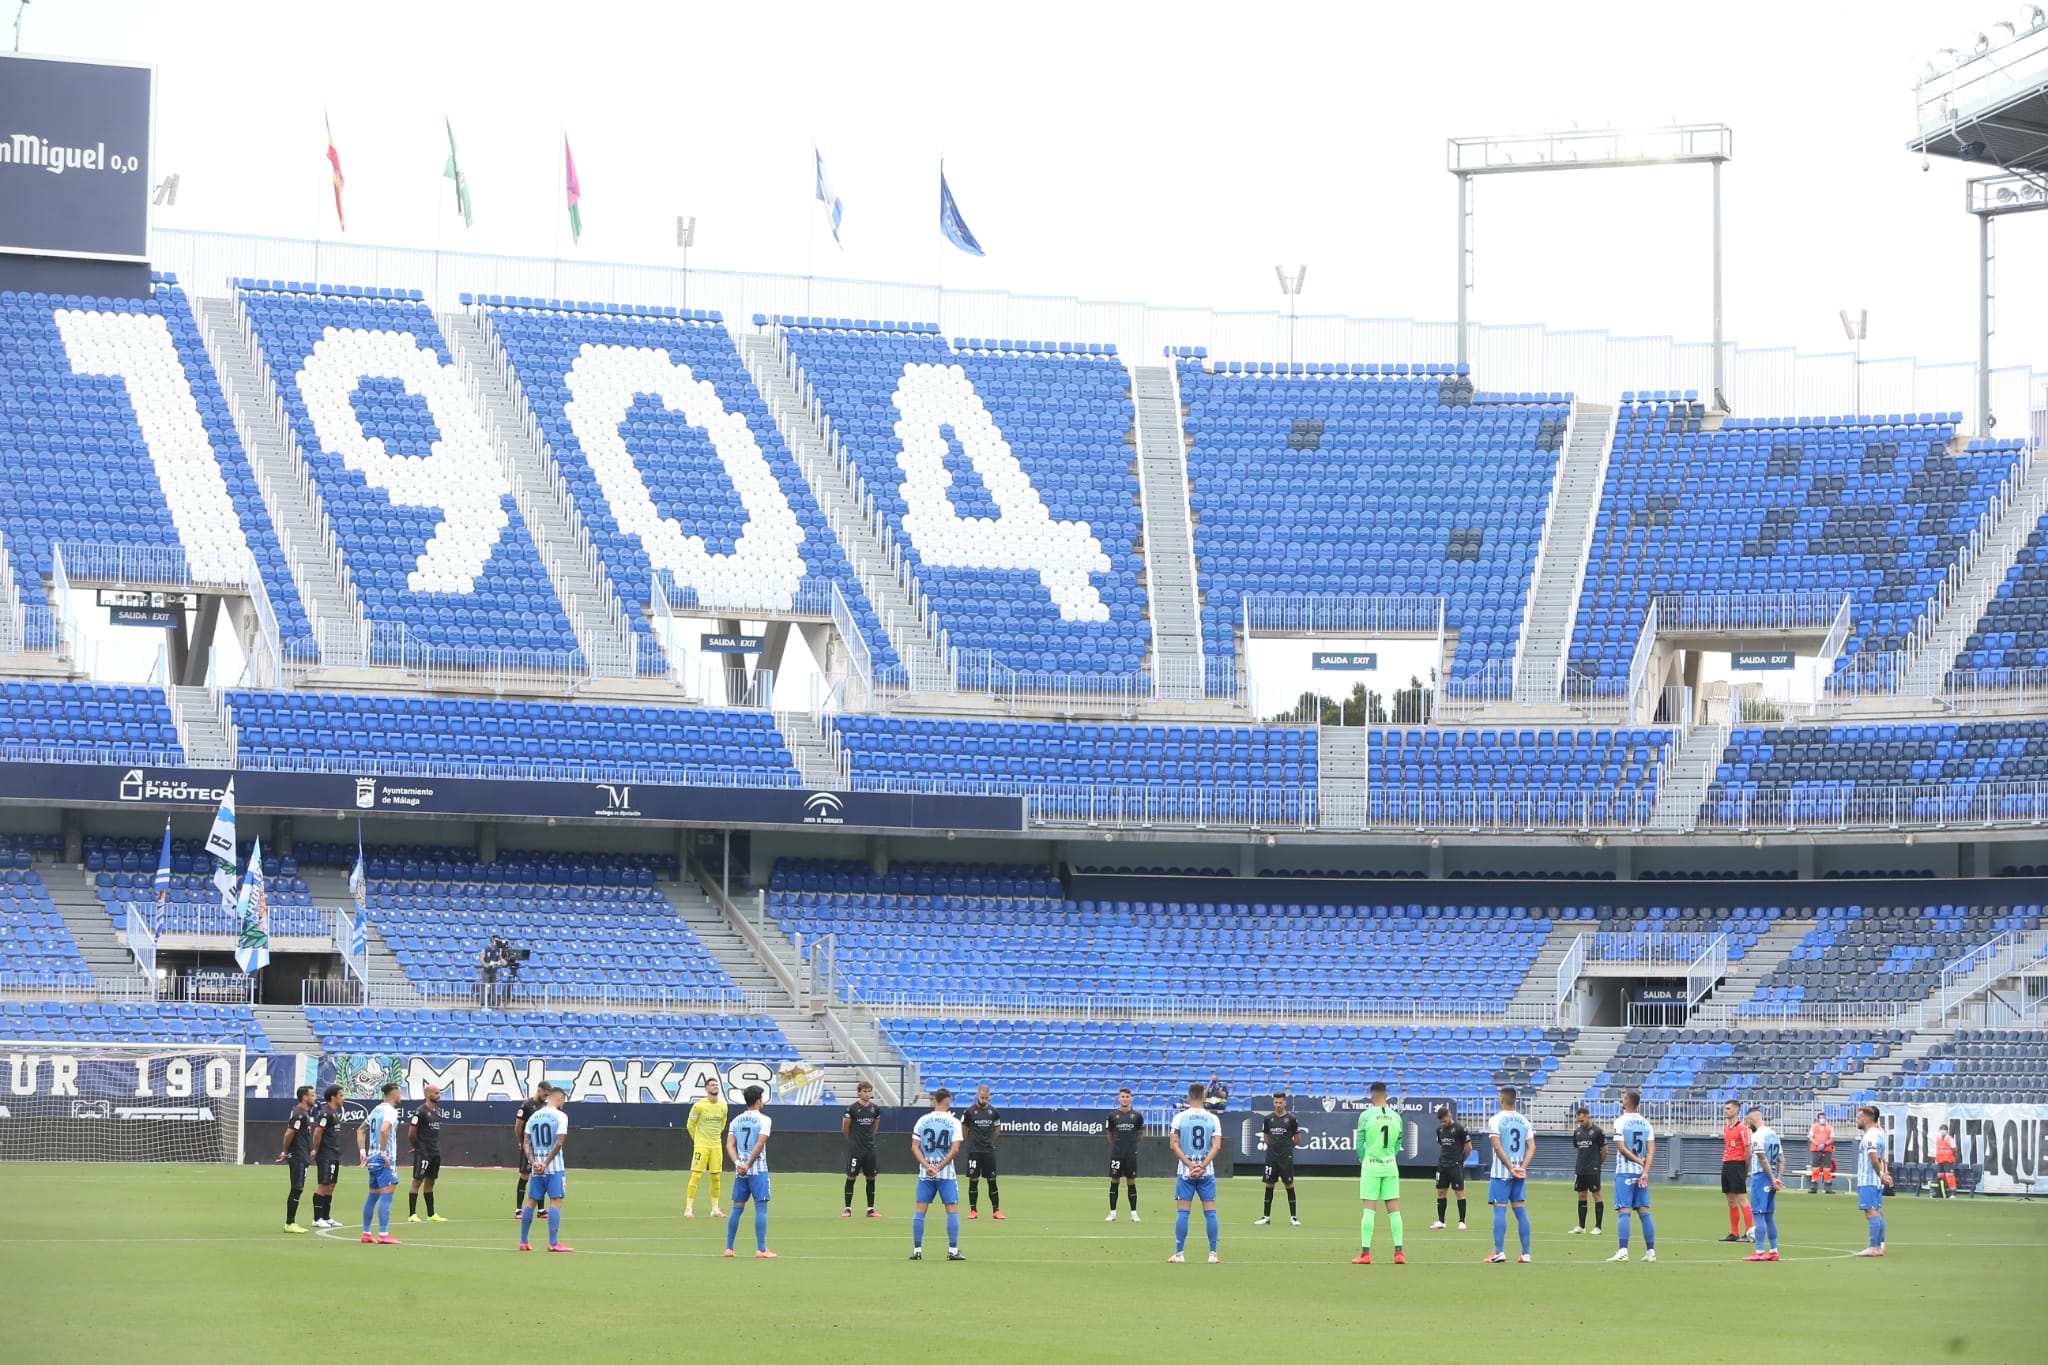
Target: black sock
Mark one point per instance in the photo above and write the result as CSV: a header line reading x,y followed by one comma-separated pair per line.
x,y
1132,1191
291,1207
519,1194
321,1203
1440,1203
1599,1215
1461,1208
995,1200
1582,1215
871,1194
412,1201
973,1196
849,1193
1112,1196
1269,1201
1290,1201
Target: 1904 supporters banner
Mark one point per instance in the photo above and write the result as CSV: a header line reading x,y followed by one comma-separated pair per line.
x,y
2010,1141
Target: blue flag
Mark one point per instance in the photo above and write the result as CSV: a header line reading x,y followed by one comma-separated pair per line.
x,y
950,221
162,883
835,209
359,887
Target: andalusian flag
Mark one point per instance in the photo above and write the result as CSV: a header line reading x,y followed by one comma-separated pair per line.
x,y
454,172
252,950
334,160
575,188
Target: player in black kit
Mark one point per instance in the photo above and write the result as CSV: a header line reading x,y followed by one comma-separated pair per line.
x,y
1125,1126
528,1107
425,1136
298,1150
984,1124
326,1156
860,1123
1453,1145
1282,1133
1589,1150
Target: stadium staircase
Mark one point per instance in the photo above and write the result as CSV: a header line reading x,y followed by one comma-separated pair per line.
x,y
325,588
204,729
328,888
1682,786
1930,666
1739,987
571,560
805,736
780,988
1561,561
1162,469
1341,785
927,667
1551,1108
1914,1049
86,920
287,1029
1537,995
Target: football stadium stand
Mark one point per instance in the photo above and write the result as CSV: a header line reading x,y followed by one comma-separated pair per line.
x,y
2012,635
884,752
112,722
1895,951
548,1034
1717,1064
34,944
56,1021
1974,1066
124,872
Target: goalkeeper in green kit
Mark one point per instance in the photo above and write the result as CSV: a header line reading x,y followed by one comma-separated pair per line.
x,y
1380,1130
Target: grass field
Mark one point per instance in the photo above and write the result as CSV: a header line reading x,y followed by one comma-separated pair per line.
x,y
187,1263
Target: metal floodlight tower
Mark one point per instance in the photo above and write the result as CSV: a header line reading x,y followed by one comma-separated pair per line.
x,y
1601,149
1857,329
1291,287
1989,197
686,237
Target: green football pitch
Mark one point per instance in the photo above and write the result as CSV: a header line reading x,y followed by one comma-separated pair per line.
x,y
188,1263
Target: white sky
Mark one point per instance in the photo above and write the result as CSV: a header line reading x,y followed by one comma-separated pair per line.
x,y
1166,153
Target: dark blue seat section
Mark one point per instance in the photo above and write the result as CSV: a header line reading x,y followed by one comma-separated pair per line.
x,y
518,738
56,1021
509,602
1813,770
682,472
90,722
980,932
1858,952
1073,1063
123,871
551,1035
1369,479
1019,756
77,467
1873,508
2013,632
594,922
34,944
1063,410
1717,1064
1975,1066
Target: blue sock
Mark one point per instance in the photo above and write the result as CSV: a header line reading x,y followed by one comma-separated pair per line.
x,y
525,1224
1649,1232
370,1211
1522,1226
384,1213
1622,1231
1209,1217
1761,1232
760,1225
1500,1229
732,1222
953,1229
554,1227
1774,1229
1180,1232
916,1232
1877,1231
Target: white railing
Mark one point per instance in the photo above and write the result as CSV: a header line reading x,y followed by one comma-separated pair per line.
x,y
1343,614
1995,691
1649,949
1086,1005
1514,357
161,567
12,632
1568,972
1705,971
141,937
1945,805
344,943
859,690
1772,1015
523,998
1983,967
1639,665
67,986
746,599
1738,613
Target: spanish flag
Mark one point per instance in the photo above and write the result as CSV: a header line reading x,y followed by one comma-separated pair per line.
x,y
334,160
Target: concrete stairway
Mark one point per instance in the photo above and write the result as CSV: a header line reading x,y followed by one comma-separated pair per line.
x,y
1930,665
1169,546
286,1027
1913,1049
1538,990
1568,1084
566,550
1739,987
806,740
1341,787
1561,561
891,598
203,726
326,588
329,889
86,920
1682,786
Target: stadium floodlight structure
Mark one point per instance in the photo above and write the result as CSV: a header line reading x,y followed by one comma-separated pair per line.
x,y
1989,197
1587,150
1290,285
1857,329
686,237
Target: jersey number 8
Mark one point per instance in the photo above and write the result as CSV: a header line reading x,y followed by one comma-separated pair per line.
x,y
1198,1139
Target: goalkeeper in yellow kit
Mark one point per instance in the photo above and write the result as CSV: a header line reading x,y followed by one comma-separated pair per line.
x,y
707,1138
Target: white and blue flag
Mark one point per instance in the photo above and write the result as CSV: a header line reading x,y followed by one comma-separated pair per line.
x,y
950,222
162,882
359,887
252,949
835,209
220,846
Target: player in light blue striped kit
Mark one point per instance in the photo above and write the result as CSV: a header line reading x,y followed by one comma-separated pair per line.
x,y
935,1141
1514,1143
1635,1153
1197,1141
1873,1175
1766,1179
547,1132
377,1143
746,1142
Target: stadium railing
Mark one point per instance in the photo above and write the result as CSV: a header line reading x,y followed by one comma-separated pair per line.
x,y
1771,1015
82,987
1086,1007
1945,805
1733,613
348,993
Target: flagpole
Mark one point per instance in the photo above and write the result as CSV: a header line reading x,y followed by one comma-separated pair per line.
x,y
562,131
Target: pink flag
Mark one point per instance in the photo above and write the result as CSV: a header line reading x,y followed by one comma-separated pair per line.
x,y
575,189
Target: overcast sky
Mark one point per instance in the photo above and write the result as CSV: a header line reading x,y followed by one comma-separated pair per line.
x,y
1166,153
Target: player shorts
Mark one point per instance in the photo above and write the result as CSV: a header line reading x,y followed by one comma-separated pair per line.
x,y
931,1191
1762,1198
1735,1177
1870,1198
425,1167
1123,1165
1821,1161
1586,1182
297,1166
1451,1178
707,1157
1632,1191
328,1167
382,1177
1499,1191
745,1187
1379,1185
543,1187
1191,1190
1281,1172
981,1165
861,1161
